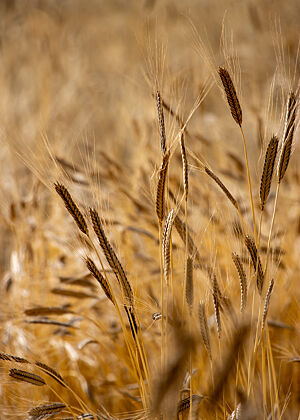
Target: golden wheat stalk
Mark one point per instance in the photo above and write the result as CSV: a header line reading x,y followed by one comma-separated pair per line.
x,y
161,186
231,95
204,328
72,207
161,122
243,281
288,135
267,174
267,304
98,276
250,244
23,375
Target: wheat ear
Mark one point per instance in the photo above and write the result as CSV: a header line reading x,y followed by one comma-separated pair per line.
x,y
161,122
243,281
72,207
267,174
250,244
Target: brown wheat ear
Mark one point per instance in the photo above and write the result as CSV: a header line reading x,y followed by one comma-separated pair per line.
x,y
266,177
222,186
216,302
184,167
161,186
231,95
161,122
250,244
189,292
166,244
243,282
267,303
98,276
46,410
23,375
204,328
72,207
288,135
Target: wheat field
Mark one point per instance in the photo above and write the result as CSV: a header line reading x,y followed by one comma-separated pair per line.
x,y
150,213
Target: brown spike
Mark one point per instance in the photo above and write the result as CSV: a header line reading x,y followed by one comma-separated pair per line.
x,y
243,281
161,122
23,375
266,177
98,276
287,142
250,244
161,186
231,95
72,207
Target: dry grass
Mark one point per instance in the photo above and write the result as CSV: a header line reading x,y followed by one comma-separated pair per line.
x,y
149,266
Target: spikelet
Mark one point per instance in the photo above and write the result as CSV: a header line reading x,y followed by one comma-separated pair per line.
x,y
231,95
46,410
184,167
72,207
288,135
243,282
222,186
51,372
189,292
216,302
98,276
11,358
117,268
23,375
181,229
184,404
204,328
111,257
250,244
166,243
161,122
267,303
161,186
267,174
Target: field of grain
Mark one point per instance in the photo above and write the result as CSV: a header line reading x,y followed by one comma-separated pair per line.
x,y
150,209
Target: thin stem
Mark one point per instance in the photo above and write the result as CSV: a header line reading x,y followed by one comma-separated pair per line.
x,y
249,184
272,226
